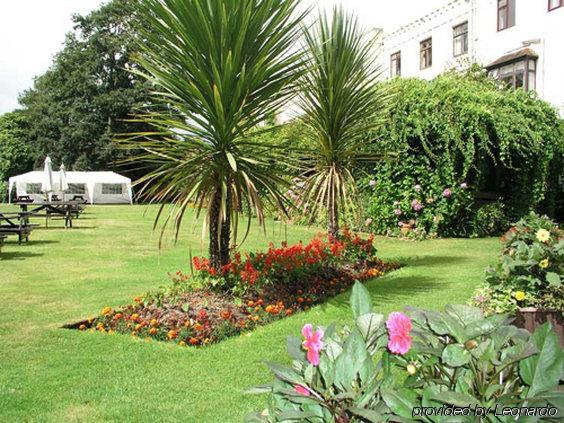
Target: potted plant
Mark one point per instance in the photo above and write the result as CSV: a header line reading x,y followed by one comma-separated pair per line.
x,y
528,278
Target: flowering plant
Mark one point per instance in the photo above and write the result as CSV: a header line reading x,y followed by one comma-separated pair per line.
x,y
287,263
530,269
380,370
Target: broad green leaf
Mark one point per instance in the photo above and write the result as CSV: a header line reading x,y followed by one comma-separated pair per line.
x,y
294,348
553,279
285,373
465,313
360,300
456,355
367,415
401,401
543,371
444,324
455,398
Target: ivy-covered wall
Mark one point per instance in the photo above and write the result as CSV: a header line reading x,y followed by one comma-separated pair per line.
x,y
469,156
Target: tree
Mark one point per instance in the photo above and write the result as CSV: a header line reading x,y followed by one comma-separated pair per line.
x,y
221,67
342,102
82,101
14,149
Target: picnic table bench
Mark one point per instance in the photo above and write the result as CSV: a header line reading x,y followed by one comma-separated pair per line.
x,y
15,224
2,238
65,209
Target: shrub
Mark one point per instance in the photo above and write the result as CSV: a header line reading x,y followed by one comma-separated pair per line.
x,y
490,219
462,128
530,269
385,370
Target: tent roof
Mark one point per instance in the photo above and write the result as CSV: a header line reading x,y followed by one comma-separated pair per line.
x,y
75,177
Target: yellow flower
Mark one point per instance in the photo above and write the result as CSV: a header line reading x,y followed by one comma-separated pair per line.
x,y
544,264
411,369
106,311
543,235
519,295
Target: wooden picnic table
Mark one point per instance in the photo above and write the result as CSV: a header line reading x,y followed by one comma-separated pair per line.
x,y
15,224
66,209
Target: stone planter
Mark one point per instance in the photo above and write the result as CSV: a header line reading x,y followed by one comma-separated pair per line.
x,y
530,318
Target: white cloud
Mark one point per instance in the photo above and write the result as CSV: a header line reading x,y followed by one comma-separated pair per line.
x,y
32,31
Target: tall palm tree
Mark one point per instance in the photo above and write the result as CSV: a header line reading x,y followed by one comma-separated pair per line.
x,y
220,68
342,102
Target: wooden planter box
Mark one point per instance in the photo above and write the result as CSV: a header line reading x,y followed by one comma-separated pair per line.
x,y
530,318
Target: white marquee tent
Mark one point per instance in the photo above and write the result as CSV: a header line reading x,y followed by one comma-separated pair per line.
x,y
94,187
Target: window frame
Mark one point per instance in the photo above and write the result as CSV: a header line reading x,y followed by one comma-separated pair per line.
x,y
530,66
423,53
74,190
508,13
108,188
560,4
465,37
395,71
36,188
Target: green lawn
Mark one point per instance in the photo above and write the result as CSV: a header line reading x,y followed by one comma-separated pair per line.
x,y
52,374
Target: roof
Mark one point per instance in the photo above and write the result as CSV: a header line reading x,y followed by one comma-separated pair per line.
x,y
513,56
75,177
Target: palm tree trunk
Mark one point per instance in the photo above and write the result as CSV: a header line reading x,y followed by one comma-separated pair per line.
x,y
225,236
333,219
214,230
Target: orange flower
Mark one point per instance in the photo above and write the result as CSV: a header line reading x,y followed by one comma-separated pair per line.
x,y
137,299
82,327
182,343
118,316
257,309
269,308
289,312
134,317
154,322
138,327
193,341
251,304
187,324
198,326
153,331
226,314
172,334
260,302
100,327
255,318
300,300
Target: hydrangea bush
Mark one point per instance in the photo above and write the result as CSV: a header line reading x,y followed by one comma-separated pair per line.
x,y
411,200
386,369
530,269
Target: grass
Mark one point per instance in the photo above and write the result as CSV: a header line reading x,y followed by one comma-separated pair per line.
x,y
112,255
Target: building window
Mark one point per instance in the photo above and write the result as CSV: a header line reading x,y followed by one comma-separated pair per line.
x,y
555,4
519,74
112,189
426,53
33,188
505,14
395,64
460,39
77,189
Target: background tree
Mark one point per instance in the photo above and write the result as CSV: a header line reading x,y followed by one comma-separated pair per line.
x,y
14,148
221,67
342,101
76,107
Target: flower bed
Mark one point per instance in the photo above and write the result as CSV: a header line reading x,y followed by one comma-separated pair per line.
x,y
210,305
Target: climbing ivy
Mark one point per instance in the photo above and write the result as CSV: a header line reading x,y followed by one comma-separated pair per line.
x,y
503,145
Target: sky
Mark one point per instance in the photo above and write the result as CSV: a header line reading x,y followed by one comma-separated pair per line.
x,y
33,31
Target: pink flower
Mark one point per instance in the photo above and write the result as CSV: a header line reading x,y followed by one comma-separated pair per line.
x,y
302,390
447,193
313,343
398,212
399,327
416,205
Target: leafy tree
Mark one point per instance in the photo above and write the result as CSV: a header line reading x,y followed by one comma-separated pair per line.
x,y
221,67
14,148
341,100
80,103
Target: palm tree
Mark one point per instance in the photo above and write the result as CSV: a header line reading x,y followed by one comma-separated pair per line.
x,y
342,102
219,68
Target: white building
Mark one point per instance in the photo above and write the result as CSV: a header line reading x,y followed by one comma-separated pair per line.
x,y
518,41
